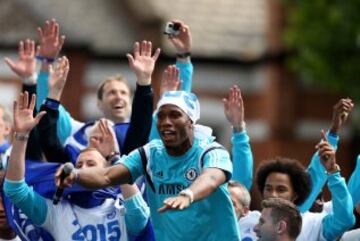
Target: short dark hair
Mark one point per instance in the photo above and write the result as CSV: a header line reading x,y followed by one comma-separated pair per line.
x,y
119,78
282,209
300,179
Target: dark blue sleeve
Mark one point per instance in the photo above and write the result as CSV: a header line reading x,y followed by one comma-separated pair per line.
x,y
141,119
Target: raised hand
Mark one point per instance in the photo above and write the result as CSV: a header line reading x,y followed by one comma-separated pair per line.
x,y
326,153
182,42
103,138
23,113
24,67
142,63
341,111
58,76
234,109
50,40
170,79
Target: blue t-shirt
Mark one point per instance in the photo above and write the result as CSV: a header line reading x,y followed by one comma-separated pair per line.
x,y
212,218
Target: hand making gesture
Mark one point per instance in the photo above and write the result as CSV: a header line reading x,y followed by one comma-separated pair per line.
x,y
143,62
182,42
24,121
50,40
327,154
24,67
170,79
103,138
58,76
341,111
234,109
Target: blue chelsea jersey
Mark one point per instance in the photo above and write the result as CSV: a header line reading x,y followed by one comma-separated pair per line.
x,y
212,218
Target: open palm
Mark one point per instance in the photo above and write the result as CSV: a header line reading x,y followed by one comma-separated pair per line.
x,y
23,113
25,66
170,79
142,63
234,107
50,40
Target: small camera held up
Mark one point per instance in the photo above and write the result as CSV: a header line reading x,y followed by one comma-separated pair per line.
x,y
172,29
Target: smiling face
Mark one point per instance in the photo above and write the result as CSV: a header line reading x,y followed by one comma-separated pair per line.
x,y
175,129
278,185
115,101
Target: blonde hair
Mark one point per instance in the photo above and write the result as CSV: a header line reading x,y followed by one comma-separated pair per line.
x,y
7,117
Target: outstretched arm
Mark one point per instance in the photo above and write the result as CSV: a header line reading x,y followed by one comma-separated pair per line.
x,y
341,111
24,68
217,170
241,150
50,46
50,143
51,43
33,205
96,177
137,211
203,186
143,64
342,218
24,122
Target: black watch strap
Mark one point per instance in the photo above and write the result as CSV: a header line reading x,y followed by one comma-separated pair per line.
x,y
183,55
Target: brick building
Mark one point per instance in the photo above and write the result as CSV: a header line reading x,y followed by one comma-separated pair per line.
x,y
234,42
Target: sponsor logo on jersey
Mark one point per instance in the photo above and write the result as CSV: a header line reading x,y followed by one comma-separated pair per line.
x,y
172,189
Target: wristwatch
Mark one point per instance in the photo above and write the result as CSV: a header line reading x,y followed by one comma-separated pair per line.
x,y
21,136
187,193
113,156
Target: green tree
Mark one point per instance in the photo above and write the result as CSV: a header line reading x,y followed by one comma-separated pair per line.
x,y
325,35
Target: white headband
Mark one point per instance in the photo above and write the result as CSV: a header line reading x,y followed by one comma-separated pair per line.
x,y
188,102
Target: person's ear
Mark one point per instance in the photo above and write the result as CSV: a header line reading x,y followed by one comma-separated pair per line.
x,y
281,227
294,197
246,210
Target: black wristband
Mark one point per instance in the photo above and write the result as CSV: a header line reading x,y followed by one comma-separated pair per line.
x,y
51,103
183,55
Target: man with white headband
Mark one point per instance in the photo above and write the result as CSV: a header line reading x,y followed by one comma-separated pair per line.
x,y
186,176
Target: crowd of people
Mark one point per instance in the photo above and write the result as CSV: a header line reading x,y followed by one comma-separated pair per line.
x,y
144,174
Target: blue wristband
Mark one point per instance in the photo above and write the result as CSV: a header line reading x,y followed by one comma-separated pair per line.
x,y
45,59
